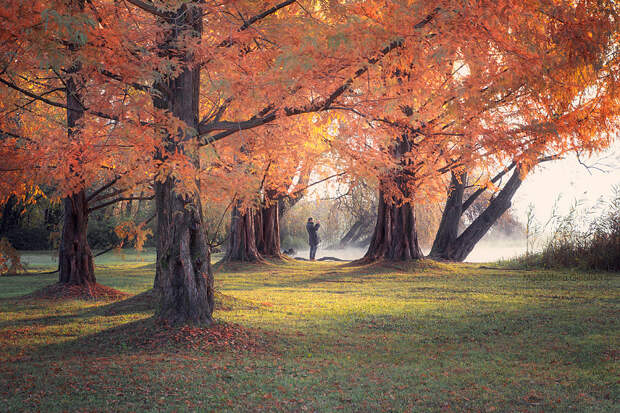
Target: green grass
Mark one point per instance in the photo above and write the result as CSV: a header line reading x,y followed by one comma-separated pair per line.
x,y
329,337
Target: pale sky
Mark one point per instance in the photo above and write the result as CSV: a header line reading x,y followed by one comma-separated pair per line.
x,y
570,180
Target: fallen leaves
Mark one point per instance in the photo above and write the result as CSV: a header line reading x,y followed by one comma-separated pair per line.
x,y
60,291
218,336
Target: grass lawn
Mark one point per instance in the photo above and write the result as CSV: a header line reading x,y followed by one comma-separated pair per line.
x,y
321,337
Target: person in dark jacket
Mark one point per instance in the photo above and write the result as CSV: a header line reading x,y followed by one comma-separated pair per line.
x,y
313,237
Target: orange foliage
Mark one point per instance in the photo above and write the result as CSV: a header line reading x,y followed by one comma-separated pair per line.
x,y
325,85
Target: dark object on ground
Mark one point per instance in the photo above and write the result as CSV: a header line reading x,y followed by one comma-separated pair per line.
x,y
321,259
290,251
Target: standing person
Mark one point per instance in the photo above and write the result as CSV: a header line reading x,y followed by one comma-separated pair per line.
x,y
313,237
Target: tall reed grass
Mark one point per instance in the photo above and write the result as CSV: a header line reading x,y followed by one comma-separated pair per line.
x,y
587,239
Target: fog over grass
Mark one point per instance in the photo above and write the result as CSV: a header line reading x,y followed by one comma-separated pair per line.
x,y
487,250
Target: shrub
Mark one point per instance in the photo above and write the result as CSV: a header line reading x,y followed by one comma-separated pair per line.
x,y
10,261
576,244
596,248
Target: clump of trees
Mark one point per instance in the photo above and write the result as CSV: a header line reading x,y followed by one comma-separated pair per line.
x,y
197,104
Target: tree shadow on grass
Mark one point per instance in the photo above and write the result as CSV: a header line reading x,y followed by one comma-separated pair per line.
x,y
346,273
145,302
150,336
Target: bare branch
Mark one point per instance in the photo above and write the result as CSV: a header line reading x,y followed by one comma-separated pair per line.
x,y
150,8
131,198
102,188
266,13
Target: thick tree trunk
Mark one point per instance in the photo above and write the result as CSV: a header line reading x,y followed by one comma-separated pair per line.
x,y
242,238
267,230
184,276
395,237
465,243
75,259
451,217
183,271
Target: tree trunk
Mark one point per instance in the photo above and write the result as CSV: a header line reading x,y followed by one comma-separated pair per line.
x,y
11,215
465,243
184,276
267,229
75,259
353,234
242,239
451,217
183,271
74,255
395,237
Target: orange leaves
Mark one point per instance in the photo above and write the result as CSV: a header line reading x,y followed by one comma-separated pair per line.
x,y
472,85
218,336
130,231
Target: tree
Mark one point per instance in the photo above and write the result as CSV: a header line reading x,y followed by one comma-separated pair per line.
x,y
395,236
178,82
491,95
56,61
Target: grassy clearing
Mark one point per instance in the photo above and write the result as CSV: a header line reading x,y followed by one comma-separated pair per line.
x,y
324,337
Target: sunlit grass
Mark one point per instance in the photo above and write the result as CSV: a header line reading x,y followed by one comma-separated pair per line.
x,y
425,336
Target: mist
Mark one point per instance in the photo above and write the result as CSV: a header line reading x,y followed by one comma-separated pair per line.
x,y
489,249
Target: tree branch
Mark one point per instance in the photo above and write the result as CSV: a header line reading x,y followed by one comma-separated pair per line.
x,y
497,177
119,78
54,103
266,13
480,191
150,8
230,127
131,198
102,188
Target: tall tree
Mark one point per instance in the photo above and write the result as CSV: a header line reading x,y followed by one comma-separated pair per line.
x,y
491,95
55,70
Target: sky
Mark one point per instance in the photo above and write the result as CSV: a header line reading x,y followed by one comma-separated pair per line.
x,y
569,180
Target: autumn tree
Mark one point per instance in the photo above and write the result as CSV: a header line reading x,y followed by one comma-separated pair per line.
x,y
183,270
274,179
489,95
57,82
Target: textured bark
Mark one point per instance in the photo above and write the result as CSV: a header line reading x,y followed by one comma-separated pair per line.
x,y
395,237
466,242
242,239
267,230
183,271
75,259
460,248
451,217
184,277
74,255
